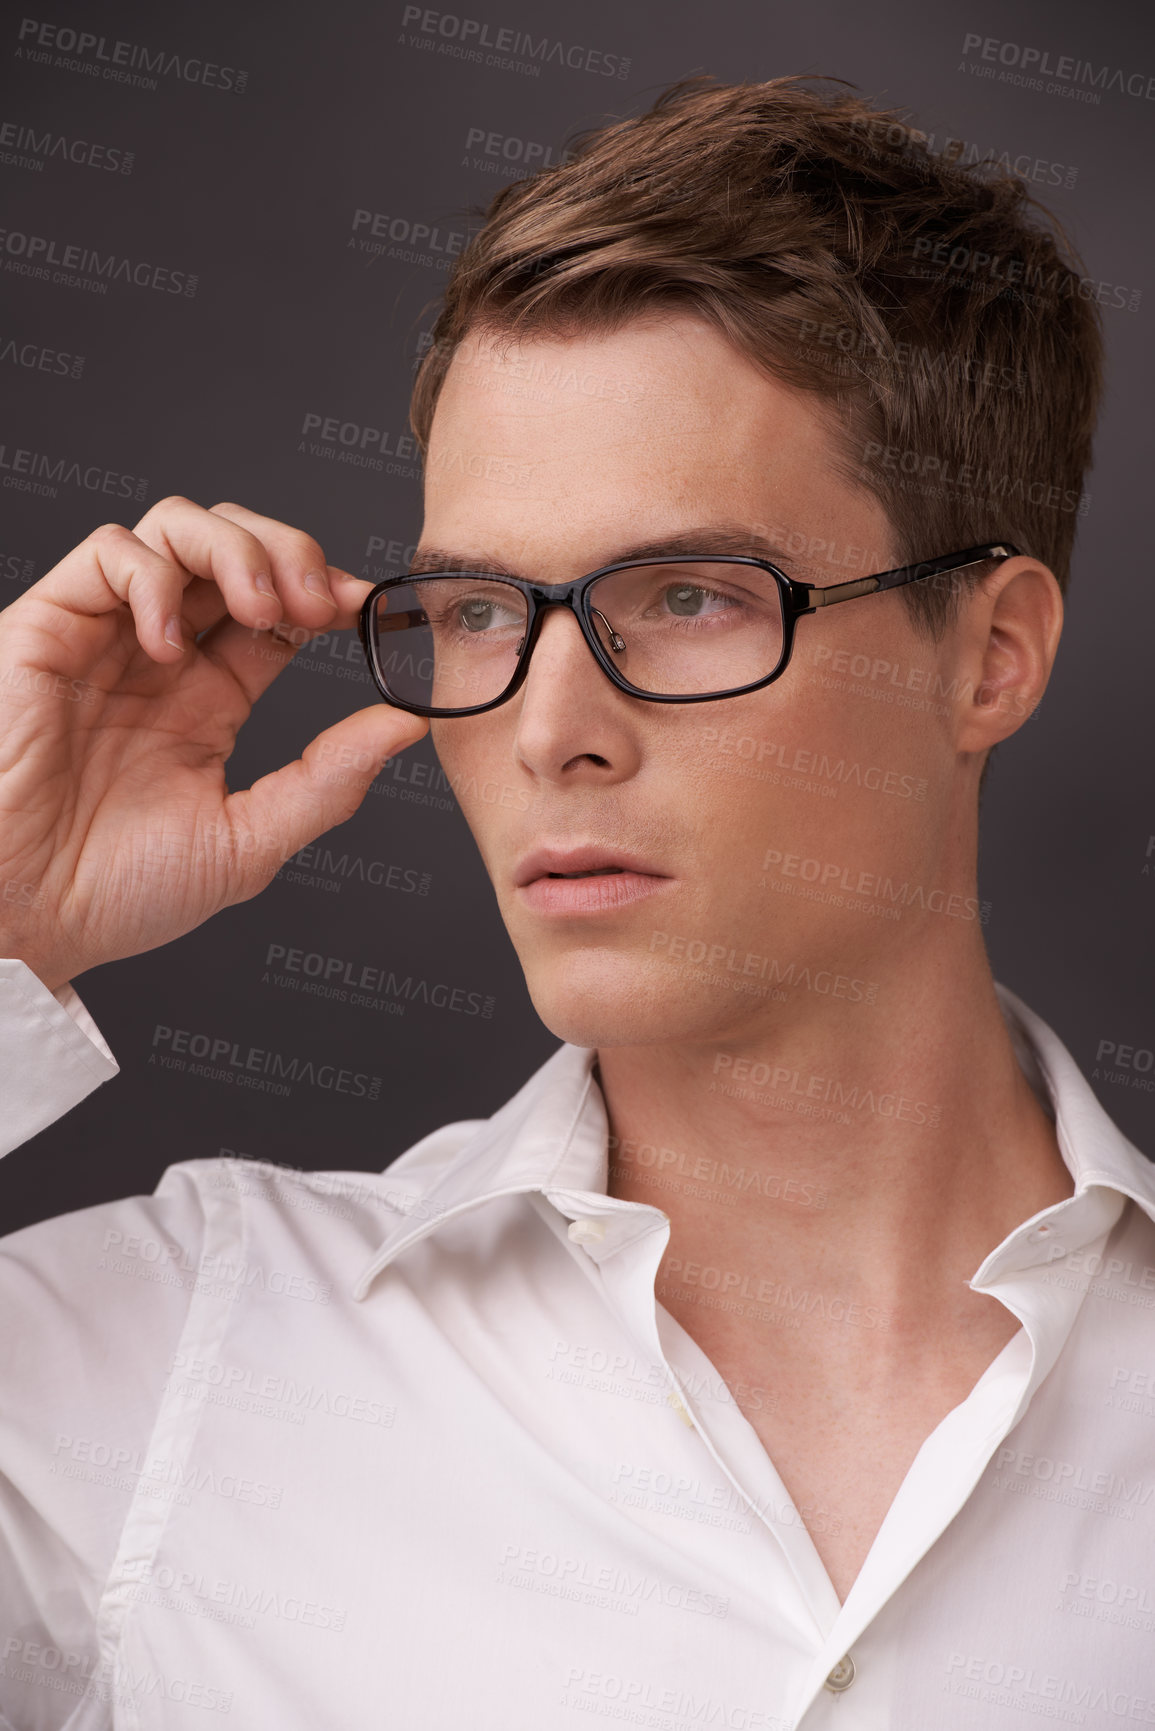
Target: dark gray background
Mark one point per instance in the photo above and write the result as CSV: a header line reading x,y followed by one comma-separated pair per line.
x,y
254,193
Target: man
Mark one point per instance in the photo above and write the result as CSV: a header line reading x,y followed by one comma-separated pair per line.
x,y
753,1356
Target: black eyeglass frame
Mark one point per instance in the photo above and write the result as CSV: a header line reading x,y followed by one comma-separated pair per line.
x,y
798,599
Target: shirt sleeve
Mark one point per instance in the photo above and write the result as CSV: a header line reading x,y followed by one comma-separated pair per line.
x,y
52,1054
92,1309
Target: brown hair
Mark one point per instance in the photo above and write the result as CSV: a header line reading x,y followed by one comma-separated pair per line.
x,y
938,319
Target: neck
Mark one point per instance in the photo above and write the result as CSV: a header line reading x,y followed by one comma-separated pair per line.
x,y
846,1140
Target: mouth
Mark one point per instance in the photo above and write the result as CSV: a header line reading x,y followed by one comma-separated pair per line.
x,y
600,872
596,881
570,863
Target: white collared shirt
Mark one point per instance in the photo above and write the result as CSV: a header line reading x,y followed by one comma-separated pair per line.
x,y
422,1450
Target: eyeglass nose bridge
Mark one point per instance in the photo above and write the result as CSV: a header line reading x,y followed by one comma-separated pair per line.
x,y
542,598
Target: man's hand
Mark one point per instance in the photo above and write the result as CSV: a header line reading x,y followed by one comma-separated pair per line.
x,y
125,675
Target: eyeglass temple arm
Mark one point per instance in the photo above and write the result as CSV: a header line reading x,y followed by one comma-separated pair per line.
x,y
402,621
830,594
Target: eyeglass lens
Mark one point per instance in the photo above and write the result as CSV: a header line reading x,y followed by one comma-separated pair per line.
x,y
452,642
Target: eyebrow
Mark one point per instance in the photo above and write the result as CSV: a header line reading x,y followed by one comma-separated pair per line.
x,y
717,539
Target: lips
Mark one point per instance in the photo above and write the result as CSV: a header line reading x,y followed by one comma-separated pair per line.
x,y
581,862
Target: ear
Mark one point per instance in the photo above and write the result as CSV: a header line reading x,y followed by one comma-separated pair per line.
x,y
1009,629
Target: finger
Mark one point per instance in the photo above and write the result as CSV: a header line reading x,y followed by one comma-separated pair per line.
x,y
112,567
253,657
204,604
349,592
284,811
213,547
298,565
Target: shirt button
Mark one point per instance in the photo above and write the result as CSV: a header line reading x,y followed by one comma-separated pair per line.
x,y
586,1231
679,1407
842,1675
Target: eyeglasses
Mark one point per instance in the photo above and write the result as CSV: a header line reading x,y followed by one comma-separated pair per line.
x,y
677,630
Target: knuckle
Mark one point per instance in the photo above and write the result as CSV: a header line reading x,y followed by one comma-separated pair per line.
x,y
305,551
172,502
111,534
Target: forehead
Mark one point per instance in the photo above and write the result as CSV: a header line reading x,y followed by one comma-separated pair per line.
x,y
638,433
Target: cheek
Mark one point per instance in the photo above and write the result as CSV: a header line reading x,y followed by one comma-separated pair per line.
x,y
464,748
475,757
814,773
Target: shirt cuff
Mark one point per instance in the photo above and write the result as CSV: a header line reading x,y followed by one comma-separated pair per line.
x,y
52,1054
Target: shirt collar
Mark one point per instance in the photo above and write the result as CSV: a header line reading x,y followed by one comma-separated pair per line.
x,y
553,1136
1105,1166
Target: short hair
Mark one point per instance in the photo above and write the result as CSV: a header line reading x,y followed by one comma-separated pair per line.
x,y
928,302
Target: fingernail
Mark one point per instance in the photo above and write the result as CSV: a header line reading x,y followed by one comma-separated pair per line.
x,y
172,632
317,584
264,583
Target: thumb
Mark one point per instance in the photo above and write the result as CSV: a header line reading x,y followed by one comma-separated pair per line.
x,y
285,810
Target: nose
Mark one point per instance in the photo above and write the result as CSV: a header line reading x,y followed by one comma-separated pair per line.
x,y
572,723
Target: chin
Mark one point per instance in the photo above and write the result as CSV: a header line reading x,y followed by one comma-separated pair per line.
x,y
608,998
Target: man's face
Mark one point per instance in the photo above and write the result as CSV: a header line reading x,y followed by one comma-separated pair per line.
x,y
748,816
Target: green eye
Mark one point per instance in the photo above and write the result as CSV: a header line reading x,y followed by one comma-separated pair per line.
x,y
476,615
685,599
